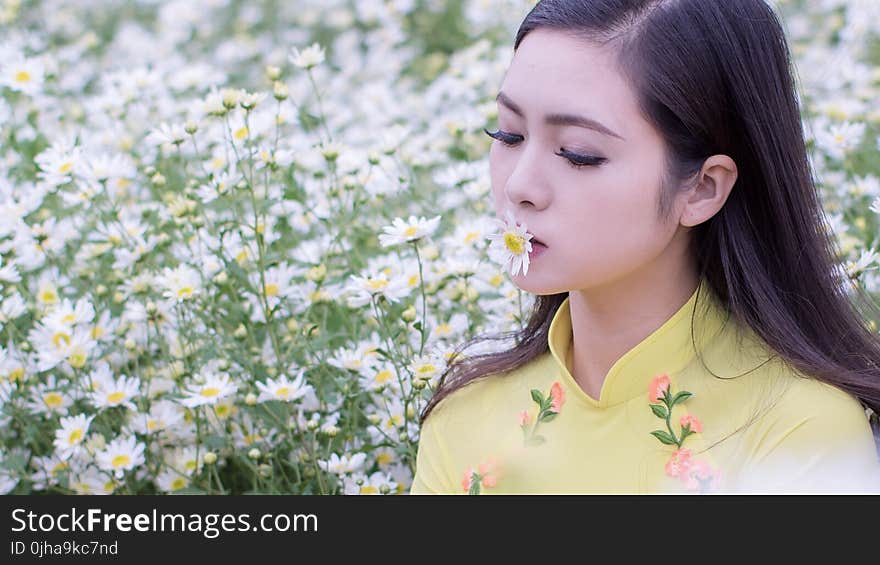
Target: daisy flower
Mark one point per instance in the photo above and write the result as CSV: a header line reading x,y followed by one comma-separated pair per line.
x,y
170,480
23,74
307,58
376,284
344,464
511,244
213,388
172,134
122,454
117,392
181,283
162,415
69,437
413,229
283,389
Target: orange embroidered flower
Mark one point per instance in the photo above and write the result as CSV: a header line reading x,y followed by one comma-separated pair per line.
x,y
659,386
485,475
696,474
557,395
548,408
691,422
679,463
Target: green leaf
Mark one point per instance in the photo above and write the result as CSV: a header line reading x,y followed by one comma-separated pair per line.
x,y
418,325
663,437
659,410
548,416
538,397
681,397
536,440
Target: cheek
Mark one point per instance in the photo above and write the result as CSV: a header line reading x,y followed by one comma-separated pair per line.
x,y
613,227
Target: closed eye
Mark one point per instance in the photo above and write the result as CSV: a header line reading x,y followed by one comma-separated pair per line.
x,y
576,160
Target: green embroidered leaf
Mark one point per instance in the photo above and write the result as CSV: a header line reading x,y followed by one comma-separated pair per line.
x,y
663,437
538,397
548,416
536,440
681,397
659,410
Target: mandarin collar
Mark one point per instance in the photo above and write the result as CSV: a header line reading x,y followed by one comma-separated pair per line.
x,y
668,349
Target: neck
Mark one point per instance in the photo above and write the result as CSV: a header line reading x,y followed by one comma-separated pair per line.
x,y
608,321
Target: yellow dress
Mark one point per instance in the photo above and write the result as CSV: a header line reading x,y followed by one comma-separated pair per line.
x,y
758,426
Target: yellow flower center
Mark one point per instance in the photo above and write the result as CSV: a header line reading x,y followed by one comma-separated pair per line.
x,y
427,368
178,483
222,410
59,337
16,374
59,467
411,231
53,400
97,332
22,76
75,436
77,359
152,425
413,280
185,292
48,296
384,376
115,397
516,244
210,391
190,465
377,284
65,167
384,458
283,392
272,289
120,461
241,133
369,489
69,319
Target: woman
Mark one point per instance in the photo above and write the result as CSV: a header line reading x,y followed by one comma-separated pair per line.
x,y
691,331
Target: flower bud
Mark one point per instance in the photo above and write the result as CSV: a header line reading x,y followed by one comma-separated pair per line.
x,y
210,458
158,179
254,453
240,332
221,277
409,314
250,399
190,127
280,91
273,72
118,297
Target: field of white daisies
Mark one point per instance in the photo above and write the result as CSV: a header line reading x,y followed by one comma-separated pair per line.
x,y
239,240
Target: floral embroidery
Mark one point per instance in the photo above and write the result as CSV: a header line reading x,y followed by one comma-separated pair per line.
x,y
696,474
485,475
548,408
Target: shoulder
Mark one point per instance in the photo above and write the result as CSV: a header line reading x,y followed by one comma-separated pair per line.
x,y
815,437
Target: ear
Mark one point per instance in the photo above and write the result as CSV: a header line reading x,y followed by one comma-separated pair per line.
x,y
714,183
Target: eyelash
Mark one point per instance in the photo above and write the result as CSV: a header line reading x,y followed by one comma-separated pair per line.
x,y
575,160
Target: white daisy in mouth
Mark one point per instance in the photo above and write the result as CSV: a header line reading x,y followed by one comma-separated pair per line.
x,y
511,244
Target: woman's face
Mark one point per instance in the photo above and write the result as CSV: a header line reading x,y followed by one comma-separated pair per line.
x,y
562,99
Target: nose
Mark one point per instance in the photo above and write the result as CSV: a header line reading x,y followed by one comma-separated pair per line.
x,y
527,184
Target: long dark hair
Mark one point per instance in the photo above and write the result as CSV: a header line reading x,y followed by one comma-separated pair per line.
x,y
715,77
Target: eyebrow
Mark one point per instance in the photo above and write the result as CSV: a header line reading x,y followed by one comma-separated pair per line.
x,y
559,119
